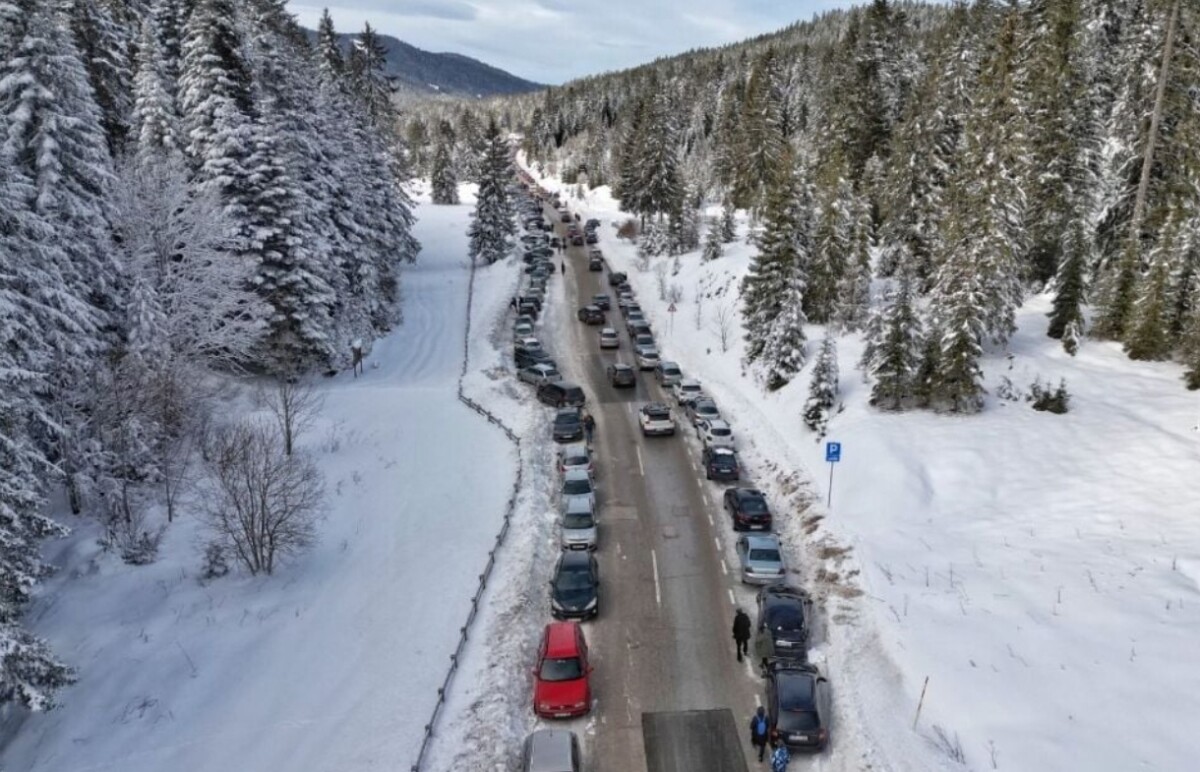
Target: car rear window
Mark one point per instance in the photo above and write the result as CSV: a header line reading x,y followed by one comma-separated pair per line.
x,y
577,487
657,414
765,554
753,505
566,419
566,669
573,392
720,431
796,693
798,720
579,458
786,618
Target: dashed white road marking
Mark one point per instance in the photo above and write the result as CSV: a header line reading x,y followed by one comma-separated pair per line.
x,y
711,521
657,586
717,541
757,700
699,484
641,469
724,570
732,600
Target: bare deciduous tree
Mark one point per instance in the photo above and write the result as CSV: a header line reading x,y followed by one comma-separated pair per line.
x,y
264,504
660,278
699,307
295,404
722,325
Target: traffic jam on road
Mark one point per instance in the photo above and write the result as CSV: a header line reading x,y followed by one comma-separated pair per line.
x,y
795,700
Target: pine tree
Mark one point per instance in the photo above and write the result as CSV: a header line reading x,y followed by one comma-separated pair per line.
x,y
443,183
854,287
774,268
728,223
1190,350
367,68
658,181
761,145
105,47
329,52
823,389
784,351
894,346
1066,319
959,321
493,223
1148,335
712,243
155,114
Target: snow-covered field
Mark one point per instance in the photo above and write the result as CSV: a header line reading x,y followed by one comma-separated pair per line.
x,y
334,662
1042,571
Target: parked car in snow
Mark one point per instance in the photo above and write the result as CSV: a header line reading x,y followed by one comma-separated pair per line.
x,y
539,374
748,509
551,750
720,464
575,586
686,390
646,357
667,374
578,483
798,705
561,677
714,432
761,559
575,456
702,409
568,425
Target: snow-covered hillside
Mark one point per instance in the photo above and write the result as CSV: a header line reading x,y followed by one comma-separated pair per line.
x,y
1041,570
334,662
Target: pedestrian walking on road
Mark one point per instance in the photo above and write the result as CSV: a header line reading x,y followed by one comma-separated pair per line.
x,y
759,730
589,426
741,633
780,758
563,266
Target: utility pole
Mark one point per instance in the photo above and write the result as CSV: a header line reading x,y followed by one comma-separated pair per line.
x,y
1164,73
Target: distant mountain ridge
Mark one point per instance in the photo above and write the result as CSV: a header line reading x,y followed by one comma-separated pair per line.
x,y
426,73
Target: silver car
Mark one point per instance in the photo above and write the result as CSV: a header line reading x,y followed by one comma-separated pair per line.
x,y
538,374
578,531
702,409
668,374
578,483
575,456
551,750
522,330
761,559
609,338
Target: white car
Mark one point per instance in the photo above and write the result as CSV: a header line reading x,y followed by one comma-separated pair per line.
x,y
522,330
539,374
655,419
646,357
687,390
715,433
609,338
529,344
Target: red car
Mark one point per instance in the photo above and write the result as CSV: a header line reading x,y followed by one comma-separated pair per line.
x,y
561,685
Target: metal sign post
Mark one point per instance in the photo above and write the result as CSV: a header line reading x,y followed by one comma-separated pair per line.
x,y
833,454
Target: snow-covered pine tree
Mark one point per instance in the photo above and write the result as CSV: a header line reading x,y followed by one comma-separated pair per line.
x,y
958,311
773,270
894,344
1148,333
713,248
833,233
443,184
1070,290
658,179
367,67
784,352
1190,349
823,389
155,115
854,286
493,223
728,223
329,53
167,19
105,46
761,143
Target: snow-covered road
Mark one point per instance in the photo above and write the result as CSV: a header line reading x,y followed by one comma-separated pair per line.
x,y
334,663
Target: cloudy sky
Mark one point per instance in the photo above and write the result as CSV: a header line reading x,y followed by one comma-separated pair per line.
x,y
552,41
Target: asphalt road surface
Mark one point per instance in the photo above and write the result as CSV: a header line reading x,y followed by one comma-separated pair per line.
x,y
670,692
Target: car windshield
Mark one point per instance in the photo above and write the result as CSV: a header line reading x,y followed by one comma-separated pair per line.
x,y
577,487
578,520
567,669
765,554
578,578
785,618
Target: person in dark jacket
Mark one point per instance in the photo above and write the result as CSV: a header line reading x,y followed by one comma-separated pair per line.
x,y
760,730
589,426
741,633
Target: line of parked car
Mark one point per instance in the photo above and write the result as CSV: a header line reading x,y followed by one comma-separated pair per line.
x,y
798,704
562,673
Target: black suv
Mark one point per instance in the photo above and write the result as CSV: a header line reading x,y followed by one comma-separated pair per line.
x,y
591,315
523,358
621,374
568,424
561,394
783,615
595,264
616,279
748,508
602,302
720,464
798,706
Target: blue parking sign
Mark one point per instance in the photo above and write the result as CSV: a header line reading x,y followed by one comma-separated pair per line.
x,y
833,452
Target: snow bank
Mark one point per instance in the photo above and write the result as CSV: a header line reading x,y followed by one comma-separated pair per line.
x,y
1041,570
